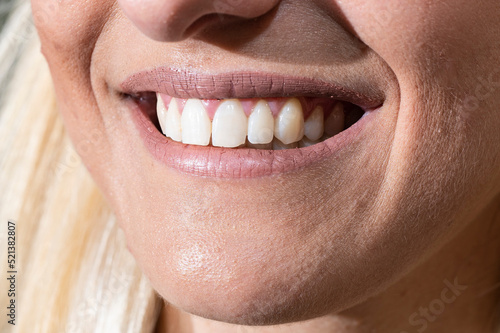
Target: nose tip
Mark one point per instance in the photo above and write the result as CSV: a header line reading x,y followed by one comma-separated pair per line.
x,y
175,20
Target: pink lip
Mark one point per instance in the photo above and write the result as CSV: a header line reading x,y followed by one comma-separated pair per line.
x,y
237,163
189,84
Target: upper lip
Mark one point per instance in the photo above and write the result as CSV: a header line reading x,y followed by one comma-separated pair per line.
x,y
192,84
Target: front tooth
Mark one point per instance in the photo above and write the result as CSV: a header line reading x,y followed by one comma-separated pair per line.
x,y
289,125
334,124
314,125
173,122
229,127
261,124
196,125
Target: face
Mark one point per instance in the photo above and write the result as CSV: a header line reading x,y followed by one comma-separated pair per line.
x,y
260,236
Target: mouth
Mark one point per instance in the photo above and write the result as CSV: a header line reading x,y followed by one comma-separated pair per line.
x,y
244,125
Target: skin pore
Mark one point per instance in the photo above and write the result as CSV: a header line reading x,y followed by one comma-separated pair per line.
x,y
397,231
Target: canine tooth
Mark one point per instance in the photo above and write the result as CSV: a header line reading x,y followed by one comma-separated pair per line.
x,y
196,126
229,127
173,122
278,145
314,125
289,125
161,112
334,124
305,142
261,124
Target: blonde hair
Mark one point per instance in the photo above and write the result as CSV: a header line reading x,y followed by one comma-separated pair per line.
x,y
74,273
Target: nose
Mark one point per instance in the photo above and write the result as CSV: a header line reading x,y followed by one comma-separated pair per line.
x,y
175,20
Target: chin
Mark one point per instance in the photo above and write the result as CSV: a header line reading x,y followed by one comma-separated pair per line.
x,y
255,275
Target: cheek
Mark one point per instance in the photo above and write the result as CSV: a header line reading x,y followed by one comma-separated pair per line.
x,y
430,38
68,32
445,62
69,29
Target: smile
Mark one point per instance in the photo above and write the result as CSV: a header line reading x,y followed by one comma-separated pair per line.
x,y
243,125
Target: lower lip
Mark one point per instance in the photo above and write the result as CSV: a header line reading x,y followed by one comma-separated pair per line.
x,y
216,162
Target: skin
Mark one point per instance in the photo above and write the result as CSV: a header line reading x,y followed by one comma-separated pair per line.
x,y
411,203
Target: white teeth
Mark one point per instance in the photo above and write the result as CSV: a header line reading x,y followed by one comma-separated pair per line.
x,y
261,124
229,127
196,125
314,125
161,112
173,121
289,125
334,124
232,129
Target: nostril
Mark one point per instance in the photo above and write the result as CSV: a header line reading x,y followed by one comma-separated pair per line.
x,y
175,20
202,22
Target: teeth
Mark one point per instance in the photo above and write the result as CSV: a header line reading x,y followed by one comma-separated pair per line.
x,y
232,129
261,124
334,124
173,121
289,125
229,127
196,125
314,125
161,112
170,120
